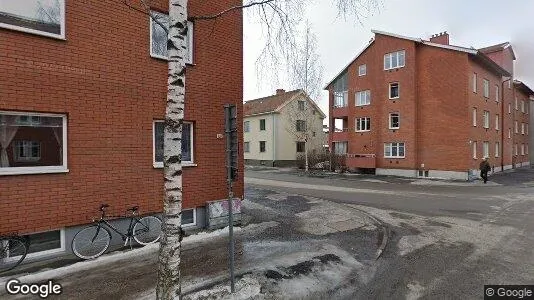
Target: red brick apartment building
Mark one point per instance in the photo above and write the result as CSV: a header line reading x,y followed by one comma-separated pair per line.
x,y
414,107
82,97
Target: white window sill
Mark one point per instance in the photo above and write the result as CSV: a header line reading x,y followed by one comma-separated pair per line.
x,y
184,164
395,98
166,59
395,157
32,170
394,128
357,105
362,130
394,68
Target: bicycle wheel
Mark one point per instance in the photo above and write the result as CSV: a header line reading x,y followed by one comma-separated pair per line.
x,y
91,242
12,252
147,230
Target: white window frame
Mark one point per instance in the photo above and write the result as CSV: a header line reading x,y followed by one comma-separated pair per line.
x,y
496,93
497,120
522,149
60,36
41,169
190,39
390,144
27,146
246,126
509,108
486,119
363,98
516,127
159,164
497,149
362,70
389,58
343,96
245,148
391,120
61,249
516,104
194,218
398,90
346,147
515,149
474,149
474,117
485,149
523,106
475,82
526,149
509,133
522,128
486,85
363,121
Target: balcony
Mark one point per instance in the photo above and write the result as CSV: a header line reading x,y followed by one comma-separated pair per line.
x,y
340,107
340,135
340,111
360,161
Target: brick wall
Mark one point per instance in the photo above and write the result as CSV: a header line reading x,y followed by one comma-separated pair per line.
x,y
103,78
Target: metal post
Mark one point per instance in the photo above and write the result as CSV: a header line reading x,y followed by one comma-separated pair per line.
x,y
228,113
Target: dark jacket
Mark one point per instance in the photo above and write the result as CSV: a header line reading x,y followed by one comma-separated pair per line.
x,y
485,166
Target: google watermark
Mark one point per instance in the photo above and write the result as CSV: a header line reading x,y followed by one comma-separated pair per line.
x,y
43,290
509,292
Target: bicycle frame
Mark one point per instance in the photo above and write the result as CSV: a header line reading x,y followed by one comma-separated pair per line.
x,y
103,223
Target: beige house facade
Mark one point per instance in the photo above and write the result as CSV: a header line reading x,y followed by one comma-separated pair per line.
x,y
279,128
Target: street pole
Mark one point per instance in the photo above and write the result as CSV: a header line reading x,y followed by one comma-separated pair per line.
x,y
229,115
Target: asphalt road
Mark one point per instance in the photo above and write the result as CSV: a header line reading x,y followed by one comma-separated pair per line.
x,y
448,239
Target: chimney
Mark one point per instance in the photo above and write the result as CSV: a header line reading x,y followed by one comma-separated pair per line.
x,y
280,91
440,38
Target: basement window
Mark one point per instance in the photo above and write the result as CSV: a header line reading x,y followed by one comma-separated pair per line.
x,y
189,217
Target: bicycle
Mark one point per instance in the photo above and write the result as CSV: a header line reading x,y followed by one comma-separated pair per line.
x,y
94,240
13,250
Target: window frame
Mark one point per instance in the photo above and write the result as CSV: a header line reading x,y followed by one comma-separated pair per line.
x,y
245,148
360,121
496,93
391,149
474,149
264,146
391,84
301,128
391,121
194,218
485,149
497,149
246,126
486,88
159,165
522,128
303,144
366,94
41,169
497,121
62,24
189,40
389,57
516,127
301,105
264,124
360,68
344,95
486,119
474,117
32,255
16,147
475,83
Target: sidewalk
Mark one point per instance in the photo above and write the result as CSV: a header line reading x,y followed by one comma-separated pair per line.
x,y
294,247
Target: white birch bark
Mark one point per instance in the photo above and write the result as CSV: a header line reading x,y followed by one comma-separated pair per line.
x,y
169,285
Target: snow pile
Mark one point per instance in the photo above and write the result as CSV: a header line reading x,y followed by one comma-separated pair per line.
x,y
248,287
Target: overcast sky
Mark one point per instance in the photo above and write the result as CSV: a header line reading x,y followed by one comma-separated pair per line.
x,y
474,23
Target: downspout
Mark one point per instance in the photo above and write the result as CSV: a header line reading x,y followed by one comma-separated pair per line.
x,y
502,122
273,137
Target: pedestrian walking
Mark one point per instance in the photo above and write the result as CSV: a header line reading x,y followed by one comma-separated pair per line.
x,y
484,169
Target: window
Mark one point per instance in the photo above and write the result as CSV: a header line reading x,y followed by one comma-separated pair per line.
x,y
474,82
526,128
363,98
522,149
496,122
187,143
340,147
363,124
509,133
362,70
301,146
486,119
475,149
262,124
158,37
262,146
27,151
301,125
313,133
497,149
509,108
515,149
340,99
301,105
32,143
246,126
522,128
485,149
188,217
523,106
509,84
486,88
39,17
394,121
475,116
394,150
394,92
496,93
516,105
394,60
246,147
516,127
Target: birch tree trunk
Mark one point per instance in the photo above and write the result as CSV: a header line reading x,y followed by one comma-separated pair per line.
x,y
306,154
169,286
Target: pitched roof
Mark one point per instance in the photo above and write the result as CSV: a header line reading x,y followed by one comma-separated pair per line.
x,y
267,104
523,87
471,51
498,47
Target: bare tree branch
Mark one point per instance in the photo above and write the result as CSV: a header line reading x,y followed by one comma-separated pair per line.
x,y
215,16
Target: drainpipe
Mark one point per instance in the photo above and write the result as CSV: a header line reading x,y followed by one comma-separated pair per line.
x,y
502,122
273,137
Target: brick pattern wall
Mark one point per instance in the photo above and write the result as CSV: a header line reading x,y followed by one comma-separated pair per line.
x,y
103,78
